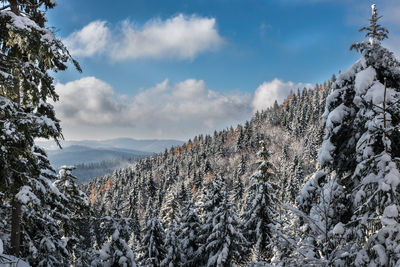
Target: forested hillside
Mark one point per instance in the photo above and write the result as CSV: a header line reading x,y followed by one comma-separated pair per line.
x,y
311,182
172,182
293,132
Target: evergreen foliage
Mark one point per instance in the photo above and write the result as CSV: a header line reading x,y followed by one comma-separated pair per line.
x,y
116,251
189,234
226,245
342,212
259,218
77,209
361,118
152,250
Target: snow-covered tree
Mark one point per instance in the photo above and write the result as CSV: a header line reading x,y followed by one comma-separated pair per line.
x,y
238,188
259,217
116,251
29,51
75,226
362,116
189,234
152,250
226,245
171,209
322,203
173,255
211,199
43,209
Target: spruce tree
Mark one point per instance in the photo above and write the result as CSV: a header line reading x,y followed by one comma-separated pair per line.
x,y
170,211
189,234
173,254
76,227
211,199
226,245
238,188
361,119
29,51
152,250
116,251
259,217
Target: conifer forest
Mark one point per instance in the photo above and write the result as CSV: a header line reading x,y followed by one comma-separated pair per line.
x,y
311,181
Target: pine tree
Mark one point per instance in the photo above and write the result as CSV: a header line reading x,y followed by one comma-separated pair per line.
x,y
116,251
183,195
238,189
77,204
170,211
362,118
259,217
189,234
322,203
152,250
240,140
173,255
211,199
43,209
29,51
226,244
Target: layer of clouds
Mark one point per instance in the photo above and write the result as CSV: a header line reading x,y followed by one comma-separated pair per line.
x,y
164,111
91,108
90,40
180,37
266,94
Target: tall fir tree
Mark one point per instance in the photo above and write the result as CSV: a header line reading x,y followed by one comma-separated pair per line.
x,y
259,217
361,119
152,250
116,250
173,249
189,234
29,51
76,228
226,245
211,199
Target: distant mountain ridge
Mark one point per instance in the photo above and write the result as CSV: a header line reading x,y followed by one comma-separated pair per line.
x,y
151,146
74,155
91,155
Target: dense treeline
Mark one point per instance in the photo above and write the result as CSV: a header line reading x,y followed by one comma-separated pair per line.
x,y
184,186
86,171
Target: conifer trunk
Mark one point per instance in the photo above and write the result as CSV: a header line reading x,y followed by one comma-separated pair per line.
x,y
14,6
15,227
384,119
15,205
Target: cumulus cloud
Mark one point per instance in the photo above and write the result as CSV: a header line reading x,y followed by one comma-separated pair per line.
x,y
88,101
91,108
166,110
266,94
180,37
90,40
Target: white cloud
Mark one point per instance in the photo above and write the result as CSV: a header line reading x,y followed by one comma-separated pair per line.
x,y
180,37
88,101
90,40
266,94
167,110
90,108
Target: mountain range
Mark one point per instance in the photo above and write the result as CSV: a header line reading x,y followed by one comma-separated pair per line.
x,y
86,152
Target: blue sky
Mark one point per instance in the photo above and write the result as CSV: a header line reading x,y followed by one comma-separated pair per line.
x,y
174,69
